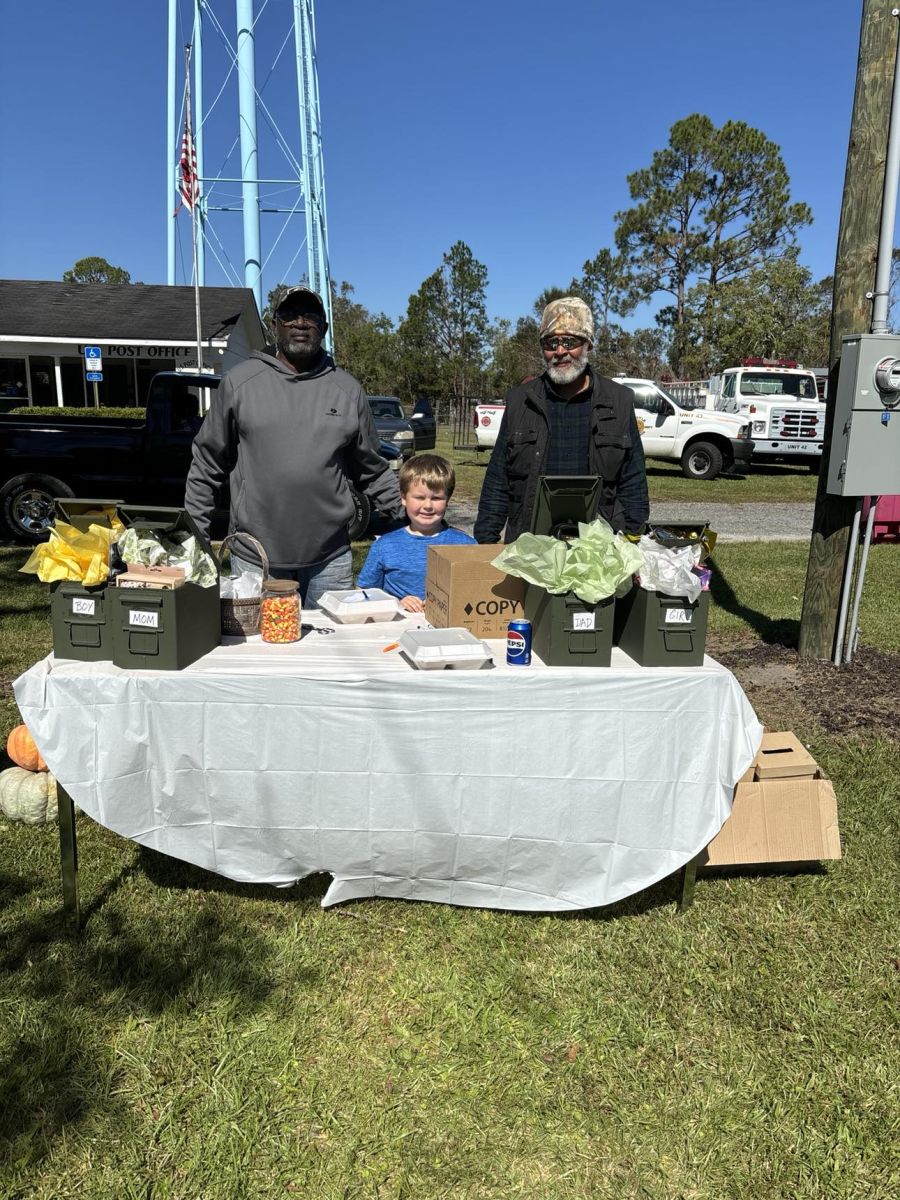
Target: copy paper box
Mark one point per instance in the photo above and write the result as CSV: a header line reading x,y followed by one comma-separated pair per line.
x,y
463,590
778,820
781,756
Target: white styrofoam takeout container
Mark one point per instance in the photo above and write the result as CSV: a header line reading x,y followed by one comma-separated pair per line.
x,y
359,605
434,649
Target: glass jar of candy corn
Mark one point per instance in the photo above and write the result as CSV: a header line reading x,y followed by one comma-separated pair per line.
x,y
279,619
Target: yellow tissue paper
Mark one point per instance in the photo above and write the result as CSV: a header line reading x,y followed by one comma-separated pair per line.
x,y
79,555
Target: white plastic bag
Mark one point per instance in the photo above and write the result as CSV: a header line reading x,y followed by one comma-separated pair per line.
x,y
669,571
246,586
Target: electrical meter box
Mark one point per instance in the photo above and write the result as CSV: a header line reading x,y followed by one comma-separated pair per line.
x,y
865,439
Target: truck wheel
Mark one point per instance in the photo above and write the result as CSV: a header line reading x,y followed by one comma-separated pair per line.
x,y
701,460
362,514
26,506
815,466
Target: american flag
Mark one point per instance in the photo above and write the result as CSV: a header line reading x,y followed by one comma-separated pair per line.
x,y
189,187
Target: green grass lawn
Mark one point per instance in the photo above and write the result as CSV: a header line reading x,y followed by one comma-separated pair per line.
x,y
763,483
203,1040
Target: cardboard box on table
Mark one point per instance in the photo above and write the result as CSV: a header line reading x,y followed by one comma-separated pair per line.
x,y
779,818
464,591
163,629
79,615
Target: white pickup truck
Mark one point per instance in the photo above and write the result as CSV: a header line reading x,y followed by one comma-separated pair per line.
x,y
782,401
704,441
486,418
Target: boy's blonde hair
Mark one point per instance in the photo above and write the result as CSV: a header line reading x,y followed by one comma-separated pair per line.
x,y
432,470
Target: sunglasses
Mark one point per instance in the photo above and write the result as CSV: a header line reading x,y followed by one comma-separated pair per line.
x,y
562,343
304,320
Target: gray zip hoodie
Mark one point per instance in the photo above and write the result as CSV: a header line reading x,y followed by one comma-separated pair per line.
x,y
287,444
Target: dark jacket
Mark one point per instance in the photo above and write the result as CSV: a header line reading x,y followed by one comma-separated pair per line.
x,y
289,445
616,455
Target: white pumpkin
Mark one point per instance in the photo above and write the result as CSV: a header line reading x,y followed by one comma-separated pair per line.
x,y
28,796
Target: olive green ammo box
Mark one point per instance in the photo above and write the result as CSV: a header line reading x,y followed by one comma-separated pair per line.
x,y
156,629
79,614
566,632
662,631
657,630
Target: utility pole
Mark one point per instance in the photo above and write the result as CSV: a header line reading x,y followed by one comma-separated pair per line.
x,y
854,283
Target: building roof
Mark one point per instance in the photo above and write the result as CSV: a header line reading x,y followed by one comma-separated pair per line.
x,y
120,312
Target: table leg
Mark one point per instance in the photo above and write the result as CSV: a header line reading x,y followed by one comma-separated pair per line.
x,y
68,853
688,879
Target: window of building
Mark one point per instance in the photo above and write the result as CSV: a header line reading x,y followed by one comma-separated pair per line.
x,y
43,382
71,372
13,383
146,371
13,378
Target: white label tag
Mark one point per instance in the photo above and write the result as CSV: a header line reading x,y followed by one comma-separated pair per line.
x,y
83,606
143,618
678,616
583,621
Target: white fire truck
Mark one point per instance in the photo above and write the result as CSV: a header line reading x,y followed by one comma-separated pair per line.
x,y
781,400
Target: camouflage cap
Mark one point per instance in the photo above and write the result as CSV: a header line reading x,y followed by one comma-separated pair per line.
x,y
301,299
570,315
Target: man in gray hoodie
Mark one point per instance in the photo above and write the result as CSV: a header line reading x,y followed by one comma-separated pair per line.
x,y
288,433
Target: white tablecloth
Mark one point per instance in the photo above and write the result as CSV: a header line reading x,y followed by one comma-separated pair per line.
x,y
528,788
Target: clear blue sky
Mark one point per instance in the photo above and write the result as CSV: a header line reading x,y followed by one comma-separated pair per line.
x,y
511,124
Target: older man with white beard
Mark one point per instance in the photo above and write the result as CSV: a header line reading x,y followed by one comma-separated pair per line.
x,y
567,421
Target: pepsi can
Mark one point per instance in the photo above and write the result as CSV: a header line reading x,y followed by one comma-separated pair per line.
x,y
518,644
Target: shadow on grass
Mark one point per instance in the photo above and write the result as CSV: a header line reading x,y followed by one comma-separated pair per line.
x,y
56,1066
13,887
781,631
49,1081
169,872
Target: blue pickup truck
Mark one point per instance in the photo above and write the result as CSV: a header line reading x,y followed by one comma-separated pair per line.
x,y
140,460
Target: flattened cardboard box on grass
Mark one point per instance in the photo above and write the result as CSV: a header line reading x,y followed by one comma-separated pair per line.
x,y
785,810
79,615
463,590
163,629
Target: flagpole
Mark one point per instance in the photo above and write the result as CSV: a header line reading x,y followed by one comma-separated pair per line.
x,y
195,196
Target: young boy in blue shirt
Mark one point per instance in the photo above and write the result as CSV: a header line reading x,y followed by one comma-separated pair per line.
x,y
397,561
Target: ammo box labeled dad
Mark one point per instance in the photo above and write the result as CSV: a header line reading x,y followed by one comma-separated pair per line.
x,y
463,590
567,631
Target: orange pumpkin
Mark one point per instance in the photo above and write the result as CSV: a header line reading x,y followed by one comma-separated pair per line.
x,y
21,749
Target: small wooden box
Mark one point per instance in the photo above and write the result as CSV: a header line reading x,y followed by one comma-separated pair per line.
x,y
151,577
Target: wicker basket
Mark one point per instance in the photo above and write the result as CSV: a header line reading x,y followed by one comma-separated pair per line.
x,y
240,618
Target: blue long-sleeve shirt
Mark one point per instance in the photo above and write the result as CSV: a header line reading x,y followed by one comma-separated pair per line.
x,y
397,561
